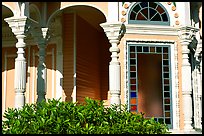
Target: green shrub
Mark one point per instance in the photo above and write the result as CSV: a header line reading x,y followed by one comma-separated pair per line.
x,y
91,117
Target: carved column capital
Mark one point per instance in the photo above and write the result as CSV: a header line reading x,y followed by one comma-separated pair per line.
x,y
114,31
186,33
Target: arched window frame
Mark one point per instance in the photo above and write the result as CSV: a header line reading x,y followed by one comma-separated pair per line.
x,y
148,22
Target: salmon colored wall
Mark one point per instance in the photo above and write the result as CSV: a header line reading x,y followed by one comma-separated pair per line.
x,y
103,6
87,61
31,80
68,42
11,5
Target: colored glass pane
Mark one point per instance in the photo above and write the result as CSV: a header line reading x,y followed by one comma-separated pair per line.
x,y
133,107
167,114
132,55
164,17
152,12
156,17
132,74
136,8
145,49
145,12
166,69
153,5
132,68
166,75
132,61
132,16
165,62
166,81
132,49
167,121
144,4
133,101
158,49
133,81
133,87
165,49
165,56
166,94
133,94
167,101
166,88
160,9
140,17
152,49
139,49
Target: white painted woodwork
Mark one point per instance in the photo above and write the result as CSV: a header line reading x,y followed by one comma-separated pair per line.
x,y
18,26
186,34
114,32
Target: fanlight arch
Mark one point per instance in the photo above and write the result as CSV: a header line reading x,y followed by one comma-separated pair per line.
x,y
151,13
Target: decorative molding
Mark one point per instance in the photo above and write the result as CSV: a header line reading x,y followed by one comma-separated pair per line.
x,y
150,30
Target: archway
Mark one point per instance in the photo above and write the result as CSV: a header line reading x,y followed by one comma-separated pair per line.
x,y
85,53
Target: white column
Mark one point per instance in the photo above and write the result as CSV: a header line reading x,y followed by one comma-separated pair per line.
x,y
186,34
18,26
41,39
114,32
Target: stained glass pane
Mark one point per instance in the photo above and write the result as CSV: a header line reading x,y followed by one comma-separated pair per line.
x,y
160,9
132,16
132,61
145,12
132,74
152,49
166,81
156,17
166,69
167,101
133,94
165,62
145,49
133,81
133,107
152,12
133,87
140,17
136,8
166,88
144,4
166,75
132,55
165,56
133,101
158,49
139,49
167,114
167,107
152,4
164,17
132,49
165,49
132,68
166,94
168,121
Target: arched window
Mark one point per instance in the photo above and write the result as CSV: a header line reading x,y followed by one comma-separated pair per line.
x,y
148,13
